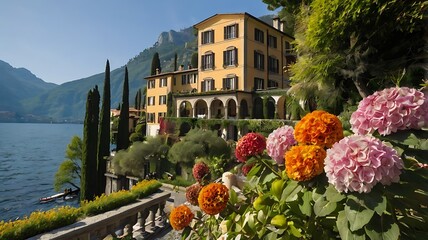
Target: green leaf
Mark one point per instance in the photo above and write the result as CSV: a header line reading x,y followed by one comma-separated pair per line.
x,y
233,197
357,215
342,226
268,177
185,233
305,205
290,191
294,231
382,227
333,195
323,207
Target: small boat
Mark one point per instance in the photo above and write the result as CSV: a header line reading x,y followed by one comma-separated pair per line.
x,y
67,195
51,198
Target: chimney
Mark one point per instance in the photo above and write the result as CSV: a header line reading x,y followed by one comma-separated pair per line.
x,y
275,22
157,71
189,66
181,68
278,24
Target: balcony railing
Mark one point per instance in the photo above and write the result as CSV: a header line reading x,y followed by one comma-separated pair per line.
x,y
142,219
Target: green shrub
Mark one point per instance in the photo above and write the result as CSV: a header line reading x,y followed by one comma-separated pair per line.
x,y
145,188
179,181
39,222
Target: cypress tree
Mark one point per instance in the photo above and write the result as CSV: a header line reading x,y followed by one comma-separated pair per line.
x,y
138,99
194,60
175,62
155,64
89,150
123,128
104,133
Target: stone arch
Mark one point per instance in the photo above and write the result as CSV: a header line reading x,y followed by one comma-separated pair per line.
x,y
217,109
201,109
243,109
185,109
281,107
258,108
231,108
271,107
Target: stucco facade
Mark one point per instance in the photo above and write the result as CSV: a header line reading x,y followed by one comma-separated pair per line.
x,y
239,57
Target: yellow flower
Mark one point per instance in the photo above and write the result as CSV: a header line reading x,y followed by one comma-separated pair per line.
x,y
213,198
180,217
318,128
304,162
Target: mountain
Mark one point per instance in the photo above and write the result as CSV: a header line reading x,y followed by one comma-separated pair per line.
x,y
66,102
17,84
24,97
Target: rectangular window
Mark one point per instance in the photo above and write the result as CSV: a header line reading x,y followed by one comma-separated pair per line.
x,y
208,61
230,83
162,100
150,101
272,41
258,83
230,57
259,60
175,81
207,85
193,78
272,83
150,117
184,80
161,115
208,37
162,82
259,36
273,65
151,84
231,31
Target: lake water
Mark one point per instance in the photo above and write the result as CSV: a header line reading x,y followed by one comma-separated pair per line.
x,y
30,155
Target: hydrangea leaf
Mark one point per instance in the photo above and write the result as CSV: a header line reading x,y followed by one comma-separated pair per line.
x,y
358,216
322,207
333,195
305,204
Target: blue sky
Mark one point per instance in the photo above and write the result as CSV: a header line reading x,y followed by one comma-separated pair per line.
x,y
61,41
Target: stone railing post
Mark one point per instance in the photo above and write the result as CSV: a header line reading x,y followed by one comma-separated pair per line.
x,y
153,211
142,216
162,214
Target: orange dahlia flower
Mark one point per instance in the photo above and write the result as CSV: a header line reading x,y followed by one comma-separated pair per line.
x,y
318,128
304,162
180,217
213,198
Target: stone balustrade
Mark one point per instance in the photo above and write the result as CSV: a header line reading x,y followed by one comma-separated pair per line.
x,y
142,219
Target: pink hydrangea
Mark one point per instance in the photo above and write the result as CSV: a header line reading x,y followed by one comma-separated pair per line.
x,y
279,141
390,110
358,162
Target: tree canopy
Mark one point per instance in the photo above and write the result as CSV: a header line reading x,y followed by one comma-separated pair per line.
x,y
133,160
349,48
69,170
198,143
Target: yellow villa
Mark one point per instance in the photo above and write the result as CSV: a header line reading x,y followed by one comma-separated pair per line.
x,y
240,59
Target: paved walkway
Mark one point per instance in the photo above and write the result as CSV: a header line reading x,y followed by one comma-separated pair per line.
x,y
178,197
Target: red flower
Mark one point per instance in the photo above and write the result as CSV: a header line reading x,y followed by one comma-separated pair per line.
x,y
192,194
201,172
251,144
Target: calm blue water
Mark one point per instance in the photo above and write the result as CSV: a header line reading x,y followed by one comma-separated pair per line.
x,y
30,154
